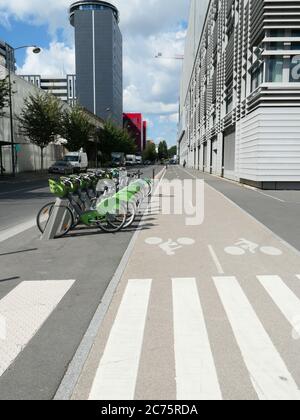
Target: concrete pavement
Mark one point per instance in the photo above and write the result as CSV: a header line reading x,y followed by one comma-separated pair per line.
x,y
201,312
81,266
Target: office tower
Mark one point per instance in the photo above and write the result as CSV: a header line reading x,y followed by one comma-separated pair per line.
x,y
98,44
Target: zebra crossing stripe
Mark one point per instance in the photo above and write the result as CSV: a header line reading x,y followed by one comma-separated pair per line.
x,y
117,373
23,311
268,372
283,297
196,376
298,276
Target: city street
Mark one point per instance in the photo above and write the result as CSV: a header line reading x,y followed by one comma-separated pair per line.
x,y
86,257
170,312
201,313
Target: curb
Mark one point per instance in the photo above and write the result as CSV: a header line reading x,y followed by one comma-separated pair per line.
x,y
72,375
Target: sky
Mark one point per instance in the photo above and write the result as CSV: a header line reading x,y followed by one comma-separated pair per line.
x,y
151,86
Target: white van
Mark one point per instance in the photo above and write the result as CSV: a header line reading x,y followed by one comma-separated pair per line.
x,y
78,160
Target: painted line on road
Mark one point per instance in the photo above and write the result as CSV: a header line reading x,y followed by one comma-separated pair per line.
x,y
298,276
269,375
117,373
196,376
16,230
287,302
271,196
71,378
216,260
23,312
264,227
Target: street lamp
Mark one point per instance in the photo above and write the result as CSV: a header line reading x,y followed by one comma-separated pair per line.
x,y
10,51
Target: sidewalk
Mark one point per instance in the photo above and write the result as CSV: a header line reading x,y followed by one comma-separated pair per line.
x,y
200,312
24,177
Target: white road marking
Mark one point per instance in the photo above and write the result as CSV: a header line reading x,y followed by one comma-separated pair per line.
x,y
16,230
287,302
298,276
268,372
117,373
216,260
196,375
271,196
23,311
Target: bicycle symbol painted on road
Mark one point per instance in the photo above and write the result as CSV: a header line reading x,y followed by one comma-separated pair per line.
x,y
243,246
170,247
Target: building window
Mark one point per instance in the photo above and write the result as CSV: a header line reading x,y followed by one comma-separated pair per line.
x,y
256,78
295,69
275,70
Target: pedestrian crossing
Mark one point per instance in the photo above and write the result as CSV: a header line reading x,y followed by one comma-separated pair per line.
x,y
23,312
197,376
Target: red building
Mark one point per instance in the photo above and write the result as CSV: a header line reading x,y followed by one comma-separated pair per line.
x,y
133,122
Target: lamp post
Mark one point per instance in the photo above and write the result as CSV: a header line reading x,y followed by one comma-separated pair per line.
x,y
10,52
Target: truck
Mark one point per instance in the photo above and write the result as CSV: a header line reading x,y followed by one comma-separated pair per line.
x,y
130,160
78,160
139,160
118,159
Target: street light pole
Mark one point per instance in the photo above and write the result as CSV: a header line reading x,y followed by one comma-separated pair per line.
x,y
36,50
12,136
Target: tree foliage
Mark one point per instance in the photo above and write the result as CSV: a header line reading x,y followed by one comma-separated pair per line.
x,y
150,152
172,152
163,150
4,95
76,129
114,139
40,120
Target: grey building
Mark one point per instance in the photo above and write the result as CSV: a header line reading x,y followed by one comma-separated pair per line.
x,y
64,88
99,67
7,57
240,91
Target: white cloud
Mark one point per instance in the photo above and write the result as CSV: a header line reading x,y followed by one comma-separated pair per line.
x,y
57,60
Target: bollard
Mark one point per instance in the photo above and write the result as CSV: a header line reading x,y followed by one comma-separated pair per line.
x,y
153,177
56,220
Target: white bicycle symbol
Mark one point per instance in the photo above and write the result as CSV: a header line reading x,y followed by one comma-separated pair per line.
x,y
170,247
244,246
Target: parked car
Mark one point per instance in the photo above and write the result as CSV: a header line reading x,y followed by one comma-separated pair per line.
x,y
61,168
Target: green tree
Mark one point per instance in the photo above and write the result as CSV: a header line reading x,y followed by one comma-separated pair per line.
x,y
163,150
76,129
150,152
114,139
4,95
40,120
172,152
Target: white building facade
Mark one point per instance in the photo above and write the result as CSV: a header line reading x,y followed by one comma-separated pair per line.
x,y
240,91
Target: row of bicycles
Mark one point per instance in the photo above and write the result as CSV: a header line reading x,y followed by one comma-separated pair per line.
x,y
109,200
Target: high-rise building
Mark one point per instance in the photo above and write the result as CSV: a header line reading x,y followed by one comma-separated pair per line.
x,y
98,44
134,124
240,91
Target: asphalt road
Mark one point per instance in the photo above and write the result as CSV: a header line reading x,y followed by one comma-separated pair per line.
x,y
278,210
199,313
40,354
83,264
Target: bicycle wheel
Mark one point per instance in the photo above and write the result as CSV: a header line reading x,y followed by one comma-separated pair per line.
x,y
67,221
131,214
43,216
114,221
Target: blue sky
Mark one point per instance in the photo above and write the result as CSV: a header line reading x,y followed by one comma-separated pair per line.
x,y
151,86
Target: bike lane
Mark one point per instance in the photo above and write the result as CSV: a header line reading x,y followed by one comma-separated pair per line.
x,y
201,312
